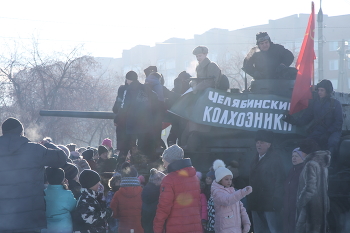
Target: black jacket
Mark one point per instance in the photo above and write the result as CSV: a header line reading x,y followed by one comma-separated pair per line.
x,y
22,166
150,198
265,63
137,108
267,180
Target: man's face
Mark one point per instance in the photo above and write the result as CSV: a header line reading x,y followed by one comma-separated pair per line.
x,y
226,181
262,147
321,92
264,45
128,81
200,57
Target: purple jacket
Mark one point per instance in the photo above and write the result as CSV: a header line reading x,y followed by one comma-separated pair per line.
x,y
230,215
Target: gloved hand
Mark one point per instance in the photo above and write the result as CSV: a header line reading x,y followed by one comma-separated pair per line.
x,y
246,228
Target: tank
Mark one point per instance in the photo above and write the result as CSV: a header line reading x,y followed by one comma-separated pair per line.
x,y
238,144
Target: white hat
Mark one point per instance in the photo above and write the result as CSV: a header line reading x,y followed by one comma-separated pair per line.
x,y
220,170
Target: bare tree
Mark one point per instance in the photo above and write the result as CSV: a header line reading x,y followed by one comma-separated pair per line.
x,y
231,65
63,81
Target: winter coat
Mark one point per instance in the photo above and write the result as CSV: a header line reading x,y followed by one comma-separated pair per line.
x,y
211,215
113,223
267,180
207,74
327,115
126,205
92,213
313,201
290,198
204,207
230,215
59,204
150,197
154,83
266,62
136,110
22,186
178,210
118,102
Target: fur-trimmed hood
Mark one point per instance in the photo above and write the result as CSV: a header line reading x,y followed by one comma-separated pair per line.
x,y
322,157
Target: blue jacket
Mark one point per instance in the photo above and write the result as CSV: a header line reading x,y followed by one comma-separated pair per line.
x,y
327,114
59,204
156,86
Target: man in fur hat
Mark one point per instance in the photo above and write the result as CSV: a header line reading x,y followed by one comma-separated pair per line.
x,y
268,60
326,115
207,71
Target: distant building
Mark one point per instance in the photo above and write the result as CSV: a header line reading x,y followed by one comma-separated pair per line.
x,y
175,55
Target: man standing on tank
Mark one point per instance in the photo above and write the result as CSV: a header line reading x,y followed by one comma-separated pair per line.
x,y
207,71
268,60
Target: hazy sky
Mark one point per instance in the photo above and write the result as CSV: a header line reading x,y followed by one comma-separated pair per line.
x,y
106,27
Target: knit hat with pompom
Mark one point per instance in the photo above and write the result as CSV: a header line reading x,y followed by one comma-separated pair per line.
x,y
220,170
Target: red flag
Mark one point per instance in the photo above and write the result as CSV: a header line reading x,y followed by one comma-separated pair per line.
x,y
305,65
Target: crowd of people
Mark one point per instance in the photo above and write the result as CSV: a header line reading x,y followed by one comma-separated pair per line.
x,y
62,188
86,191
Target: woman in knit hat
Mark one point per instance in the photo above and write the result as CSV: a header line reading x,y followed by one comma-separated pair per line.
x,y
291,186
150,197
59,202
230,215
91,215
126,203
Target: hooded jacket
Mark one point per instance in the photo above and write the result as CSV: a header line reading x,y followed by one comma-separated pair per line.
x,y
313,201
126,205
22,204
230,215
179,206
59,204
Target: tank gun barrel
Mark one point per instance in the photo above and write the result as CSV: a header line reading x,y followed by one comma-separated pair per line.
x,y
78,114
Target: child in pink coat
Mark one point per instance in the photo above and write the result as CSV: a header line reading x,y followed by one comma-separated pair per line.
x,y
230,215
